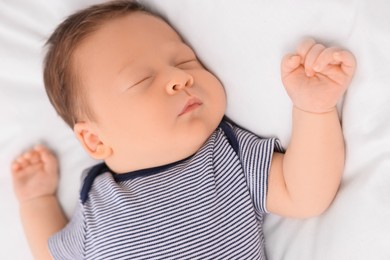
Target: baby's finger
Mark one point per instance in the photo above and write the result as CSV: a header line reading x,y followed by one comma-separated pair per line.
x,y
290,62
304,48
44,152
32,156
40,148
311,57
326,58
347,60
22,162
15,166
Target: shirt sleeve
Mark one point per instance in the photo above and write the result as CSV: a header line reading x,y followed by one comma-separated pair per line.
x,y
69,242
256,155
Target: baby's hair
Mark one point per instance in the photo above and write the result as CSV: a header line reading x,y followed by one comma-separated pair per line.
x,y
62,83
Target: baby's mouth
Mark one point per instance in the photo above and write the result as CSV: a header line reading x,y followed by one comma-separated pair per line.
x,y
192,104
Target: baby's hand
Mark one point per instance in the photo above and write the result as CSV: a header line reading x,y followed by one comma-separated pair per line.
x,y
35,174
316,77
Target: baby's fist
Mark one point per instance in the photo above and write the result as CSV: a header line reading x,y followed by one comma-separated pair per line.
x,y
316,77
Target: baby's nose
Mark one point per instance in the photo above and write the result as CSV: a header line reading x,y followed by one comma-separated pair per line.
x,y
179,80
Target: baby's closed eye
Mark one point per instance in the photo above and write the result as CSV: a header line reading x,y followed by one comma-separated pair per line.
x,y
188,64
141,81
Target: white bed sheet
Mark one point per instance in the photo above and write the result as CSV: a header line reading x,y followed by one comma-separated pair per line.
x,y
242,42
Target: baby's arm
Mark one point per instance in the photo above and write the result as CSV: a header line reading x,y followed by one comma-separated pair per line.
x,y
35,178
304,181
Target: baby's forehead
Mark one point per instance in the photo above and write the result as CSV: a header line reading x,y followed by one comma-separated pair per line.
x,y
138,37
140,23
136,30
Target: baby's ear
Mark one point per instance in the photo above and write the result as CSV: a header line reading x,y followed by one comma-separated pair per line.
x,y
91,142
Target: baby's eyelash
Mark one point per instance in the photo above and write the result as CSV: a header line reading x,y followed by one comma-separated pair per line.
x,y
142,80
187,61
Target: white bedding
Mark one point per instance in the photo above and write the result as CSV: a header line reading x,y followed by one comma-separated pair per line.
x,y
242,42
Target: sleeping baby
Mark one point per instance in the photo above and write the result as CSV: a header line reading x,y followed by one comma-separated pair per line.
x,y
177,180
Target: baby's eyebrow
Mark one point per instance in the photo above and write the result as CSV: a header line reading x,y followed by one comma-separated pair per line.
x,y
125,66
185,54
176,47
189,49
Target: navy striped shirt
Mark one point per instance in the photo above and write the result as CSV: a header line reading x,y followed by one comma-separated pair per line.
x,y
208,206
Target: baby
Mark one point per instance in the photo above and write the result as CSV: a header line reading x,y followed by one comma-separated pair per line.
x,y
178,180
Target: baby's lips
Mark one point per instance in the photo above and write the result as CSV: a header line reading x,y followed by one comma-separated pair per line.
x,y
191,104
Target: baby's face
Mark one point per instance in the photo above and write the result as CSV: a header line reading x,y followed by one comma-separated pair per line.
x,y
154,102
